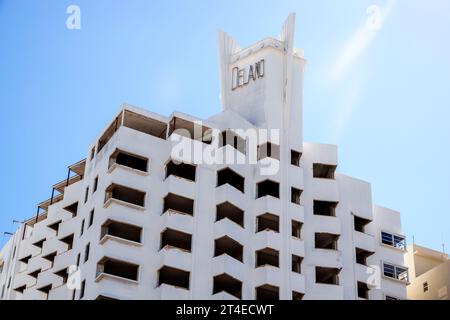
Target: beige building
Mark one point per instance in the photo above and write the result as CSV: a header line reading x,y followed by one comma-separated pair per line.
x,y
429,274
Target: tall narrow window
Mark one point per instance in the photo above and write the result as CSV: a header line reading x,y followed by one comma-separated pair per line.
x,y
82,289
86,195
91,218
95,184
86,252
82,228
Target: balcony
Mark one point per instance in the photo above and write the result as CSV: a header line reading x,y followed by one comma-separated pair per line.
x,y
169,292
182,187
266,222
181,170
226,227
179,204
122,232
298,282
267,239
172,238
129,161
326,224
174,220
117,269
228,284
267,257
174,257
227,193
325,189
267,292
229,265
267,204
230,247
297,212
322,291
268,188
325,257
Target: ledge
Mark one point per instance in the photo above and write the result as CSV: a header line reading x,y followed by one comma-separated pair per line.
x,y
103,275
122,240
122,203
116,165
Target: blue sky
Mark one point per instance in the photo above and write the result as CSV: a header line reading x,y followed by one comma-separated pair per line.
x,y
382,95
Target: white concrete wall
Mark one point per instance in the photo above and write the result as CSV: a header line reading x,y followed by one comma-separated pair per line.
x,y
274,101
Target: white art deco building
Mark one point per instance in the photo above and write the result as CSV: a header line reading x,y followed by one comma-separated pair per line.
x,y
133,222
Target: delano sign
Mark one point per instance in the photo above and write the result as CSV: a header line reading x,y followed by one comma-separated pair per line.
x,y
242,76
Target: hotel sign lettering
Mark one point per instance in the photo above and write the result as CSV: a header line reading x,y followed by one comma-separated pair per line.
x,y
242,76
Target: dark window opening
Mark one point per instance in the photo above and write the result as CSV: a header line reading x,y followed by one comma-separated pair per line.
x,y
46,289
226,245
269,150
230,211
190,130
228,137
227,175
69,241
82,289
176,239
327,275
82,228
55,226
128,160
268,188
39,243
296,229
145,124
86,252
24,259
362,255
178,204
297,295
174,277
360,223
73,208
295,158
86,195
326,241
325,208
125,194
363,290
91,218
118,268
121,230
181,170
63,274
325,171
267,292
21,289
267,257
295,195
50,257
227,284
109,132
95,185
296,264
267,221
106,298
35,273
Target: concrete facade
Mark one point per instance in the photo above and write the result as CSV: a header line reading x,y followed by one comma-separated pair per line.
x,y
130,223
429,274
